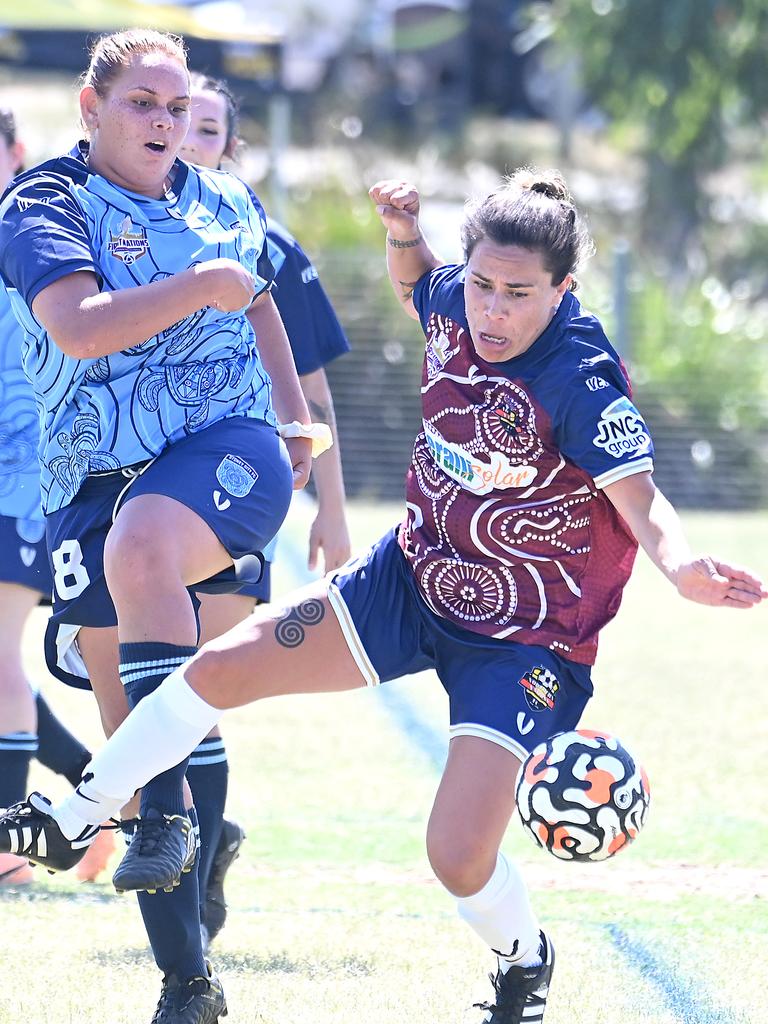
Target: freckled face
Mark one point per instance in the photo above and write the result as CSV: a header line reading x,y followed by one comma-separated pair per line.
x,y
509,299
206,139
138,127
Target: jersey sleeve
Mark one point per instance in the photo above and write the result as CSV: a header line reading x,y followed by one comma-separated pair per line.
x,y
602,432
313,329
442,291
264,274
43,236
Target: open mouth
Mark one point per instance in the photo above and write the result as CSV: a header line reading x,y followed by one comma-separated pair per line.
x,y
156,147
491,339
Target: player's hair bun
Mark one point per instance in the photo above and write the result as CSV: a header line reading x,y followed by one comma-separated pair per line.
x,y
547,183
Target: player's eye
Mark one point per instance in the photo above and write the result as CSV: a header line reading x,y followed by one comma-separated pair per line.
x,y
179,111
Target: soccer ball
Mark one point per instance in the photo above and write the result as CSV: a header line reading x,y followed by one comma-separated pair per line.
x,y
582,796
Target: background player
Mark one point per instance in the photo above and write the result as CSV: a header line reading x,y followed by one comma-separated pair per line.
x,y
316,337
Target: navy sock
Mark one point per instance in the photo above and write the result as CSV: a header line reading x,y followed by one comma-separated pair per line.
x,y
16,751
143,667
58,750
172,921
207,775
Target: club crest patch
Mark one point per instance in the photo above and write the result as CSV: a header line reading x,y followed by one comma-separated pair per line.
x,y
128,245
236,476
540,685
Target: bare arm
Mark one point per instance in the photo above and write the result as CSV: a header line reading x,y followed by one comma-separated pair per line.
x,y
288,398
409,256
86,323
329,530
658,530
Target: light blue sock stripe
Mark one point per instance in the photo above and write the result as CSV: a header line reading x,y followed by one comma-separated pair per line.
x,y
197,762
151,667
19,741
212,746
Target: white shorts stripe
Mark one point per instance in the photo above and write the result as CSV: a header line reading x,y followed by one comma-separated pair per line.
x,y
354,643
485,732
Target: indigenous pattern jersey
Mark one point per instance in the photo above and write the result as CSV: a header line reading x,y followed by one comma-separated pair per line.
x,y
19,428
508,532
315,334
124,408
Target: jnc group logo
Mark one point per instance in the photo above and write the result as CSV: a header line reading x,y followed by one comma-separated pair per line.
x,y
127,245
621,430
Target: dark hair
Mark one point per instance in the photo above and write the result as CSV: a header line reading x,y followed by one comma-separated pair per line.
x,y
206,83
8,131
7,125
533,210
110,54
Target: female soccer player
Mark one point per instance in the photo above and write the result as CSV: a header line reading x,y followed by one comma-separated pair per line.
x,y
163,464
529,490
28,727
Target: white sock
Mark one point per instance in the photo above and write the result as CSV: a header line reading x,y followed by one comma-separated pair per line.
x,y
159,733
501,915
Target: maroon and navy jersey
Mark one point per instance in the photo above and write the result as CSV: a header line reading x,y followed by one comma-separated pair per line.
x,y
508,531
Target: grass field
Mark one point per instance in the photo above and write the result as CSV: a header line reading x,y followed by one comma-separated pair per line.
x,y
335,917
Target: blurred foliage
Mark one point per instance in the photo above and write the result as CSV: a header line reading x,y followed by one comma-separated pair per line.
x,y
691,73
705,343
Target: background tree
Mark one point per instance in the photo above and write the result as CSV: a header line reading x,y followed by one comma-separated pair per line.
x,y
689,74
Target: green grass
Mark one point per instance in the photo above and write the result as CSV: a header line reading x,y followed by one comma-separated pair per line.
x,y
335,914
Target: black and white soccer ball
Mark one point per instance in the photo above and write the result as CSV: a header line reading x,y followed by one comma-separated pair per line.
x,y
582,796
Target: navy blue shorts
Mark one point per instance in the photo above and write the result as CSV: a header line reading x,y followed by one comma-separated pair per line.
x,y
513,694
236,475
23,555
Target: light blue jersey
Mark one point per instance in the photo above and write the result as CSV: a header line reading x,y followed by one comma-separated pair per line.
x,y
19,427
121,409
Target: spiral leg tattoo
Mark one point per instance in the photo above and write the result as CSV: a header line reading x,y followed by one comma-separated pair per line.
x,y
290,629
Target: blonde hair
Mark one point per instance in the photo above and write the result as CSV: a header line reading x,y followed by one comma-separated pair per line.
x,y
112,53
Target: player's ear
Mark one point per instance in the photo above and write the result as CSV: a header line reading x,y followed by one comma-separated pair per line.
x,y
234,146
89,107
18,153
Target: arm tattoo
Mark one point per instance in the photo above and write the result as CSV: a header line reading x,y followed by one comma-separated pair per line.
x,y
320,413
289,629
407,287
411,243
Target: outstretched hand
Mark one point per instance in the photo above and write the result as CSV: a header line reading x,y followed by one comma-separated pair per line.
x,y
709,581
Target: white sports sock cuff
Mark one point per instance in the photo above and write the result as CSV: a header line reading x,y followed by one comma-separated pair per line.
x,y
489,895
181,699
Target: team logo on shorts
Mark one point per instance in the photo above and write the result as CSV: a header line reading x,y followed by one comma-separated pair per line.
x,y
235,476
128,246
540,687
